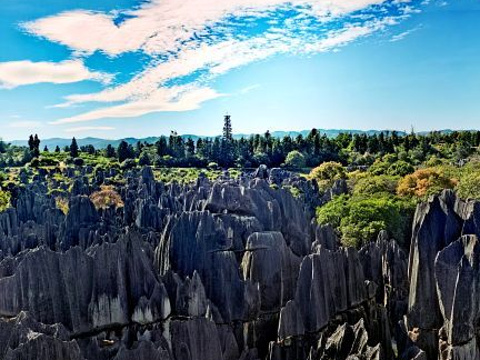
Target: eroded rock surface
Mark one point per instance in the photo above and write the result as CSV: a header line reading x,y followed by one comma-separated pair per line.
x,y
233,269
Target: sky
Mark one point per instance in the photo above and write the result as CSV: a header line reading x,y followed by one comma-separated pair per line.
x,y
125,68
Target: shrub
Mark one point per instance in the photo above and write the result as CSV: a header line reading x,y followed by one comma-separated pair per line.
x,y
367,217
144,159
48,161
128,164
359,219
433,161
424,182
106,198
333,212
372,185
35,163
400,168
212,166
469,186
78,162
62,204
261,158
328,171
4,200
379,167
325,174
295,159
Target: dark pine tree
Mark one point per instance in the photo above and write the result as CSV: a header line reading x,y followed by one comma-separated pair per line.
x,y
162,146
74,148
190,146
57,149
34,145
36,142
227,147
31,143
110,151
144,159
124,151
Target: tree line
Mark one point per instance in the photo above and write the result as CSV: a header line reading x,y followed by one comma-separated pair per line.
x,y
309,151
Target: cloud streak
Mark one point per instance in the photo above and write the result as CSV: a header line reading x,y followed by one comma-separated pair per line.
x,y
163,100
19,73
25,124
403,35
89,128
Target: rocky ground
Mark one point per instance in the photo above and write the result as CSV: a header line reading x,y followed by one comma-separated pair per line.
x,y
227,270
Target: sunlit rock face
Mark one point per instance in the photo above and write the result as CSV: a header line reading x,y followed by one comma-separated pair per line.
x,y
231,269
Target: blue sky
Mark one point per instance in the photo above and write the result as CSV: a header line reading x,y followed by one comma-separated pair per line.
x,y
142,68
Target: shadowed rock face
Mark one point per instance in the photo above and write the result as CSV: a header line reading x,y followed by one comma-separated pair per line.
x,y
443,310
229,270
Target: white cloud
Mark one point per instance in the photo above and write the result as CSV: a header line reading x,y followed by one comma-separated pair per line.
x,y
159,26
193,41
214,59
89,128
18,73
145,93
217,59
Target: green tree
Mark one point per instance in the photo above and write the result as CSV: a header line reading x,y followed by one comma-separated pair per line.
x,y
227,155
424,182
469,186
110,151
144,159
359,219
400,168
190,147
326,173
74,148
374,185
124,151
295,160
162,146
3,147
4,200
34,145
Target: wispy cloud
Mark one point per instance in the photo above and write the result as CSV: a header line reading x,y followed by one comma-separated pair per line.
x,y
25,124
403,35
191,42
247,89
163,100
89,128
18,73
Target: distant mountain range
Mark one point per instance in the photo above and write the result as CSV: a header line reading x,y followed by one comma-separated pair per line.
x,y
102,143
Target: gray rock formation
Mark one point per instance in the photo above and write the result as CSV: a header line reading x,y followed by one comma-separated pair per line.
x,y
232,269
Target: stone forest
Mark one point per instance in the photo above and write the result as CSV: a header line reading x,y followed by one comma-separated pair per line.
x,y
371,260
